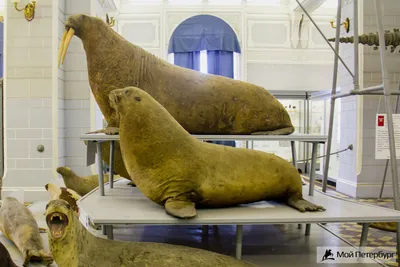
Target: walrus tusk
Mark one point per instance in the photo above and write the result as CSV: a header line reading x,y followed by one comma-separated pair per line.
x,y
68,39
60,51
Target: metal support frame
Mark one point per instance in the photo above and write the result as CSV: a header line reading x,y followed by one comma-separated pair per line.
x,y
239,238
392,145
332,107
367,91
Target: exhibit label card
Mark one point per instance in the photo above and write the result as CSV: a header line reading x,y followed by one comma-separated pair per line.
x,y
382,136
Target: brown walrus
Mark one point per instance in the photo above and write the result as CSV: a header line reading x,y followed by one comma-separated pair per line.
x,y
18,224
73,246
5,258
201,103
177,170
82,184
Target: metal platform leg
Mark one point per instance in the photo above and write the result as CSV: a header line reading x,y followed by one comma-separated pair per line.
x,y
104,229
112,146
239,238
294,161
205,230
312,178
100,168
110,232
364,235
308,229
313,167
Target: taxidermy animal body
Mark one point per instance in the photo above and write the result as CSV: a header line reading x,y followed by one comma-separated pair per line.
x,y
82,184
73,246
201,103
18,224
177,170
5,258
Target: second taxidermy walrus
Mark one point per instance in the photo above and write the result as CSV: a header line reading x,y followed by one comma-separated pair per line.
x,y
178,171
73,246
18,224
201,103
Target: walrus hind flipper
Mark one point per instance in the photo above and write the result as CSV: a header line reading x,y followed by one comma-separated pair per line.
x,y
283,131
303,205
38,256
182,209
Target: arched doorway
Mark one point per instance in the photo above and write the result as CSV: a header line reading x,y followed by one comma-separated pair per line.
x,y
205,43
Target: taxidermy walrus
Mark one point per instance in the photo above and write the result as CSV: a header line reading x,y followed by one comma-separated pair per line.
x,y
73,246
82,184
177,170
5,258
18,224
201,103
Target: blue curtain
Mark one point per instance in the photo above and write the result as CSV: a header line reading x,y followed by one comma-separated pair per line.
x,y
190,60
221,63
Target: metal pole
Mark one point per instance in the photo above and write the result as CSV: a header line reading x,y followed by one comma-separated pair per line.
x,y
332,113
392,145
364,235
112,147
239,238
100,168
323,36
356,42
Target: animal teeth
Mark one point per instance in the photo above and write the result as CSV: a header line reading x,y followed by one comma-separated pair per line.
x,y
68,38
61,49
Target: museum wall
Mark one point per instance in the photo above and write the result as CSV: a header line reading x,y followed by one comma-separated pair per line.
x,y
360,175
76,93
28,102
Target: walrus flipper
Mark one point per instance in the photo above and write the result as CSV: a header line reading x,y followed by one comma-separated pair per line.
x,y
283,131
37,256
182,209
303,205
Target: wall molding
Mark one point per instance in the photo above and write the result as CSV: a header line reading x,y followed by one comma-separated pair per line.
x,y
154,22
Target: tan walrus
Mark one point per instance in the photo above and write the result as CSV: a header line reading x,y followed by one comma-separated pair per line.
x,y
18,224
82,184
73,246
201,103
177,170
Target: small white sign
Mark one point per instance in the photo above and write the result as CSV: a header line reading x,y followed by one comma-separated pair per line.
x,y
382,136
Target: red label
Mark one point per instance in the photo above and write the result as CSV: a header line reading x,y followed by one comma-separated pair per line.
x,y
381,121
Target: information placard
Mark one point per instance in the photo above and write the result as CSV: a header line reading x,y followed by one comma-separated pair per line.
x,y
382,136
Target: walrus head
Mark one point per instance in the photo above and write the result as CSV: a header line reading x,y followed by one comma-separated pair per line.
x,y
131,95
77,25
58,218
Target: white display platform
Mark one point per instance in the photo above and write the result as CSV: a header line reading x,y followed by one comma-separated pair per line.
x,y
125,204
310,138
